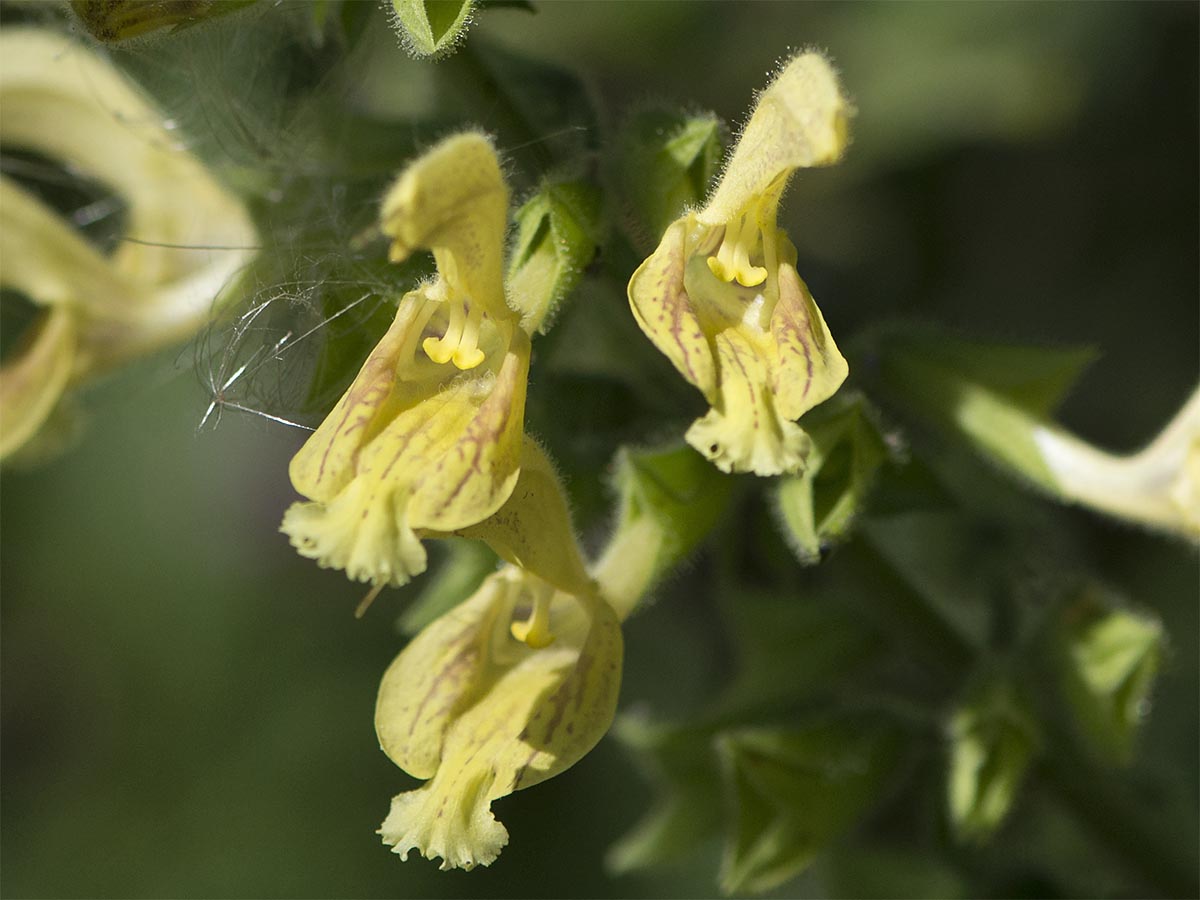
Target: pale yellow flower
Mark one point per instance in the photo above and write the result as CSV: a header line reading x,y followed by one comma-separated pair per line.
x,y
187,237
721,297
1158,486
508,689
428,438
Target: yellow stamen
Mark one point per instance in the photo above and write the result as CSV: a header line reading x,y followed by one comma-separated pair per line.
x,y
460,342
535,631
733,256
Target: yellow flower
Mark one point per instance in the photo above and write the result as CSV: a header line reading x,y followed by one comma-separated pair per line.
x,y
508,689
187,236
429,436
721,298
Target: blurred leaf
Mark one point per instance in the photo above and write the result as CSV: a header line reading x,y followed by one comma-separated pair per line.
x,y
793,790
992,739
878,872
1109,659
1034,378
790,647
993,396
666,159
821,505
598,338
558,229
523,5
949,560
541,113
985,74
684,771
431,27
669,500
118,20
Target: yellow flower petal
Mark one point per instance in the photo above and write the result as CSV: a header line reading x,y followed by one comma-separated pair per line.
x,y
71,105
745,430
477,474
533,528
49,262
663,309
482,714
32,384
807,367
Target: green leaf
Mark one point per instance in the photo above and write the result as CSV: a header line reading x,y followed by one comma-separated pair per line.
x,y
950,560
793,790
880,872
666,160
820,506
791,648
684,771
993,737
431,27
1109,657
558,229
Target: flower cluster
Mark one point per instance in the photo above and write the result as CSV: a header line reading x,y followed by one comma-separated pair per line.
x,y
521,679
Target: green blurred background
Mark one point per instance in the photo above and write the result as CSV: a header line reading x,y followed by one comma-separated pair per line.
x,y
187,704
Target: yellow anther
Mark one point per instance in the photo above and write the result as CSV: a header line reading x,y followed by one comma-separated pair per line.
x,y
460,342
732,261
535,631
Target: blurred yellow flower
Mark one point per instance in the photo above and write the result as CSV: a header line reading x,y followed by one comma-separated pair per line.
x,y
187,237
721,298
1158,486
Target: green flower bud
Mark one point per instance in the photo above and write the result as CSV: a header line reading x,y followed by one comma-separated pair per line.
x,y
1110,657
667,158
557,234
992,740
820,505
